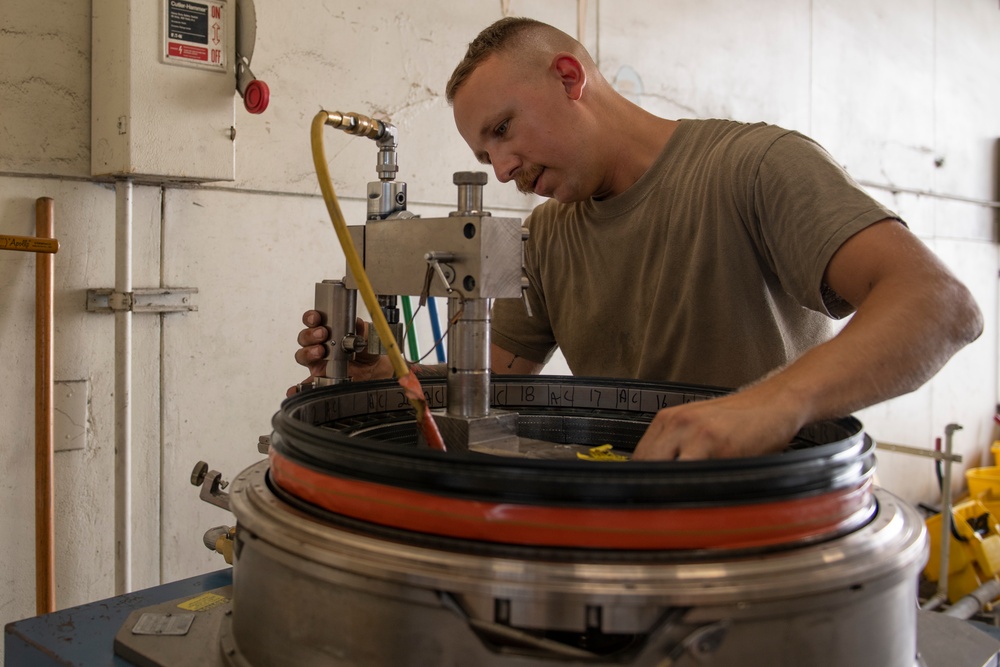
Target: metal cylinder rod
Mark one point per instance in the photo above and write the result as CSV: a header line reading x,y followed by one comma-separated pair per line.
x,y
947,520
338,307
468,358
470,192
946,515
45,573
123,390
975,601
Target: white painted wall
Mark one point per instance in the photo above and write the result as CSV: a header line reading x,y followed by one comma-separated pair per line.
x,y
901,92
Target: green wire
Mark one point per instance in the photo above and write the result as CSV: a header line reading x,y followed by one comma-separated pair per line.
x,y
411,334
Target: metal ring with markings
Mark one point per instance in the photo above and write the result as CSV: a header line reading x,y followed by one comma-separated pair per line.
x,y
352,449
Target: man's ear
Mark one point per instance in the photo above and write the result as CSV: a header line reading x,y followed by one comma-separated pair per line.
x,y
571,73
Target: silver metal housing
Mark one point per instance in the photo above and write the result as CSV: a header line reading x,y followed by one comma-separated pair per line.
x,y
486,250
309,592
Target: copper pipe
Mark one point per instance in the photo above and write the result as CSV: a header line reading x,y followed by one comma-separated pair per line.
x,y
45,571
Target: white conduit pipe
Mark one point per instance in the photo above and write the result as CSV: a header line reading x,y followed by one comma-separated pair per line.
x,y
123,387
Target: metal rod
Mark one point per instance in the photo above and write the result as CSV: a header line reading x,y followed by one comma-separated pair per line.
x,y
946,519
930,193
123,389
339,308
470,192
974,602
916,451
45,534
468,358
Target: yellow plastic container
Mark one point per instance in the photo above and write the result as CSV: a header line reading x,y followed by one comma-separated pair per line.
x,y
984,483
970,562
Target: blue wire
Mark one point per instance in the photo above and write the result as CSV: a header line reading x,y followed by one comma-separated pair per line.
x,y
435,329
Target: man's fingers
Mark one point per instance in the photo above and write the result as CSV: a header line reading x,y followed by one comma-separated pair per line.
x,y
313,336
312,318
307,356
654,445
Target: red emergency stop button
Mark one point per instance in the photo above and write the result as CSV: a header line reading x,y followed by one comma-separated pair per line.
x,y
256,96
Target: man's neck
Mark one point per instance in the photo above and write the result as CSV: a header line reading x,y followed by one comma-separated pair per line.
x,y
636,150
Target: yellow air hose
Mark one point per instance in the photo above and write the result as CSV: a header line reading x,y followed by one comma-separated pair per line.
x,y
407,380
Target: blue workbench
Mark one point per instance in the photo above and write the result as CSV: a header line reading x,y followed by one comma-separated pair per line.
x,y
84,636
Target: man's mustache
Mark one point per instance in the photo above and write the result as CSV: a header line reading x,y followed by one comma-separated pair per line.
x,y
525,179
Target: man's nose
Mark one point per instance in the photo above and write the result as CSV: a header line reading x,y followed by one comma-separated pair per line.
x,y
504,166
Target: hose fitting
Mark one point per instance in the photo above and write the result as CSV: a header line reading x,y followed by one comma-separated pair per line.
x,y
357,124
381,132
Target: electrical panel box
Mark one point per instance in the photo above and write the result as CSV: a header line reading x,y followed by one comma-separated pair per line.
x,y
163,90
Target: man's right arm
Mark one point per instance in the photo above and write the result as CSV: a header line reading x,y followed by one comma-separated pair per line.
x,y
501,362
504,362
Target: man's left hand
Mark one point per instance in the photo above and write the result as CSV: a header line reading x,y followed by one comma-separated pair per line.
x,y
731,426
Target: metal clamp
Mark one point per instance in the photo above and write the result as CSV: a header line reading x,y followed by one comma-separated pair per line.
x,y
211,484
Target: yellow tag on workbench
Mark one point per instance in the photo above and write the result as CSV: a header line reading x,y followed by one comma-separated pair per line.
x,y
602,453
204,602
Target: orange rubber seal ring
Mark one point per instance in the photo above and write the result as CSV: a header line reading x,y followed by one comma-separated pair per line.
x,y
726,527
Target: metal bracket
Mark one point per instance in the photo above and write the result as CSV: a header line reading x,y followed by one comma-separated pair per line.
x,y
211,484
143,300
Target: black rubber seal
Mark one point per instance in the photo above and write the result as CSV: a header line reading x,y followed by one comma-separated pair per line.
x,y
824,457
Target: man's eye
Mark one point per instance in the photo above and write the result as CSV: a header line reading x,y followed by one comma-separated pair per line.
x,y
501,129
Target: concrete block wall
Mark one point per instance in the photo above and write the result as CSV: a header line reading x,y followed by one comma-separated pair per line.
x,y
902,93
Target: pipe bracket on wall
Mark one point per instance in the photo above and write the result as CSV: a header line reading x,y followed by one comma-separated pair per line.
x,y
143,300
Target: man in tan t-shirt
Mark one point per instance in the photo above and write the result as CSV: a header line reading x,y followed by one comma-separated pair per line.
x,y
724,249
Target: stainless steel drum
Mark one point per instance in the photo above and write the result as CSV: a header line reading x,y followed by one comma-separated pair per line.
x,y
357,547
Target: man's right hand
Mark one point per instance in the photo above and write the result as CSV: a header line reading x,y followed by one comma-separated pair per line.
x,y
364,366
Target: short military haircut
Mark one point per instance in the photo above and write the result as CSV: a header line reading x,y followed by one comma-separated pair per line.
x,y
506,34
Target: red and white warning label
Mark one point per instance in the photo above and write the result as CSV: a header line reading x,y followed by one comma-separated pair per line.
x,y
194,33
